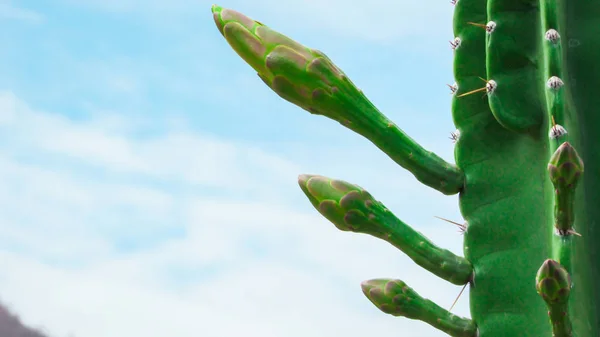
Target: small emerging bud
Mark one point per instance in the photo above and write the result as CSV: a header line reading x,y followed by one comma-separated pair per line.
x,y
565,167
553,282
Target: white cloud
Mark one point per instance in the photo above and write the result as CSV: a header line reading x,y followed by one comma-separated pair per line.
x,y
375,20
244,258
11,12
124,6
179,155
106,232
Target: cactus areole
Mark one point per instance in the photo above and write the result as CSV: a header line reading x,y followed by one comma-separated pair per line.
x,y
531,251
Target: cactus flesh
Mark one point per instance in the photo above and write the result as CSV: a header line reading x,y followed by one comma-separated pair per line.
x,y
519,172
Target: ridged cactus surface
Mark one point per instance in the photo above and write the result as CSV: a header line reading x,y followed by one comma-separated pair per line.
x,y
526,106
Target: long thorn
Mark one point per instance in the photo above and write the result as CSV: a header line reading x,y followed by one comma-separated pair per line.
x,y
472,92
489,27
462,227
477,24
490,86
457,297
450,221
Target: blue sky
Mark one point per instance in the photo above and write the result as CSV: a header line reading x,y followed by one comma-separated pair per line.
x,y
149,176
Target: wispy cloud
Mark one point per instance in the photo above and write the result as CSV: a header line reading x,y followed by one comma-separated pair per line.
x,y
180,155
9,11
119,253
149,181
139,6
376,21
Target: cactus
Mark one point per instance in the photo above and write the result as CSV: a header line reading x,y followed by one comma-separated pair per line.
x,y
520,153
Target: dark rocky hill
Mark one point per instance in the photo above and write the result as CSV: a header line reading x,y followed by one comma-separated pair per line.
x,y
11,325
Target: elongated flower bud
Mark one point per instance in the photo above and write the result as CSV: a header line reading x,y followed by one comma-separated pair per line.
x,y
396,298
298,74
309,79
565,169
553,284
350,208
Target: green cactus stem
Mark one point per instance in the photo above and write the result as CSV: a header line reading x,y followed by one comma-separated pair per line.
x,y
394,297
516,166
351,208
553,284
309,79
506,172
554,68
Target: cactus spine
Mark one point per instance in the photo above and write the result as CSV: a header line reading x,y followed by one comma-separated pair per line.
x,y
520,155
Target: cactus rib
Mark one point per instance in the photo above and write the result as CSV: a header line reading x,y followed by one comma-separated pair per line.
x,y
309,79
396,298
581,54
554,68
351,208
513,64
